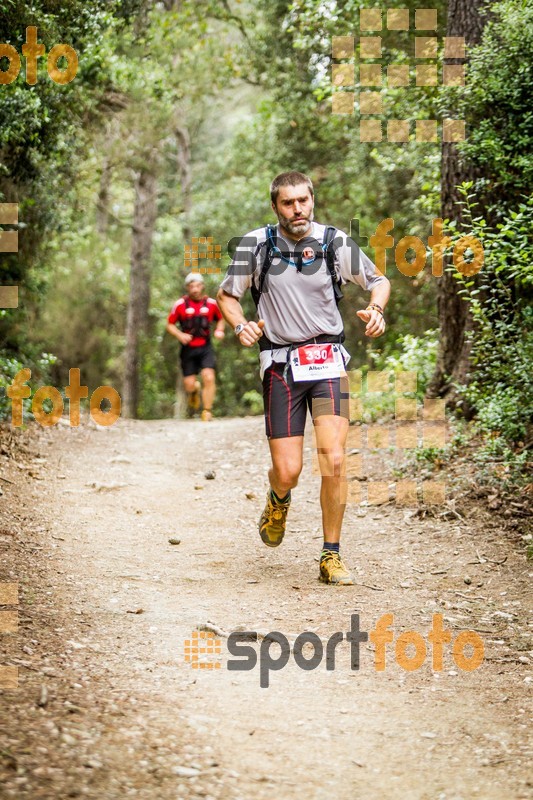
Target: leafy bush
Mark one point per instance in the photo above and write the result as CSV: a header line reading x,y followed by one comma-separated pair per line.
x,y
496,103
502,337
412,354
417,354
9,366
253,400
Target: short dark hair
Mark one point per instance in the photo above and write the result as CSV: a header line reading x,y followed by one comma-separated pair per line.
x,y
289,179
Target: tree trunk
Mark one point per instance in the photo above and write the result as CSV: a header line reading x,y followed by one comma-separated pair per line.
x,y
144,217
184,162
183,140
464,20
102,203
180,403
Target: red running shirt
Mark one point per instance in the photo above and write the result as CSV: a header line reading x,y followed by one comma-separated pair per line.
x,y
206,307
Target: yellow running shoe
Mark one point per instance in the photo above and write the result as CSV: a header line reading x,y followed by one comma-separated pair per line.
x,y
194,397
332,569
273,519
207,415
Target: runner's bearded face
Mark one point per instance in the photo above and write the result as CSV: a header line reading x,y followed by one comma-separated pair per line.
x,y
195,290
294,209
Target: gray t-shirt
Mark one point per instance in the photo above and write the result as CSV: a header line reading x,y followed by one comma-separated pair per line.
x,y
297,305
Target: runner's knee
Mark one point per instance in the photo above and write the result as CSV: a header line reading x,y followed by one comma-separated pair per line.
x,y
332,462
287,474
208,378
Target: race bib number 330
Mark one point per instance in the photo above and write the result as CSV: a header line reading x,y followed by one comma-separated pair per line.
x,y
316,361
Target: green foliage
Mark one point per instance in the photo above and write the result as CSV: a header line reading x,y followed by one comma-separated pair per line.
x,y
496,103
253,400
239,388
501,387
157,380
43,130
412,354
41,371
9,367
40,124
82,321
431,454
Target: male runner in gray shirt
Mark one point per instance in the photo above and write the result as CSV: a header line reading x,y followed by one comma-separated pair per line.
x,y
300,332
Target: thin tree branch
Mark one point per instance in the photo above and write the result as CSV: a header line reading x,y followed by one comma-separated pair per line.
x,y
237,20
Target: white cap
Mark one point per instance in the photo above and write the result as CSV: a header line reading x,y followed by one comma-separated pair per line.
x,y
193,276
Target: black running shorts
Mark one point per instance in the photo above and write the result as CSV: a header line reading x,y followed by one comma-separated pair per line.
x,y
286,401
195,359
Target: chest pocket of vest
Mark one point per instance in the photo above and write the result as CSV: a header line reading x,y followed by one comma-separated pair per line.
x,y
196,322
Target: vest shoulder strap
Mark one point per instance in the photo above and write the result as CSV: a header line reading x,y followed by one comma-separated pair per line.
x,y
271,247
329,252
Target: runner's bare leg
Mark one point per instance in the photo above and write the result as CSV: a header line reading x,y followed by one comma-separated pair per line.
x,y
287,461
208,387
331,433
189,382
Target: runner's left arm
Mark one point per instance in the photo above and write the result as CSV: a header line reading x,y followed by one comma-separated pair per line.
x,y
219,329
219,332
355,266
375,320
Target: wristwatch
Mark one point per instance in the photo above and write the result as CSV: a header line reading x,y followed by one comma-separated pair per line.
x,y
240,327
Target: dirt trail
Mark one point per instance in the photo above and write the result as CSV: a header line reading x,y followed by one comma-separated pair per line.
x,y
122,714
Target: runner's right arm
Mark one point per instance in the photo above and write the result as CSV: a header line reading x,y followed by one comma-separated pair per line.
x,y
237,281
172,319
233,314
181,336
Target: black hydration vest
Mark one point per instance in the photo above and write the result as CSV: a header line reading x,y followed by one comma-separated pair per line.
x,y
196,324
272,250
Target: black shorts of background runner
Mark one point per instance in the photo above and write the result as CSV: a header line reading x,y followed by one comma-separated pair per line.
x,y
286,401
195,359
